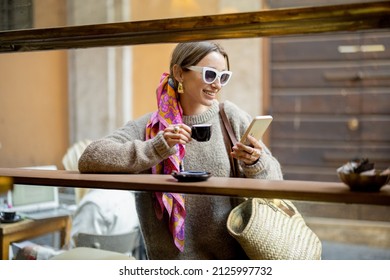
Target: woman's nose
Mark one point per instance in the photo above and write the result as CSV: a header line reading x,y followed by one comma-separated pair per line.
x,y
217,84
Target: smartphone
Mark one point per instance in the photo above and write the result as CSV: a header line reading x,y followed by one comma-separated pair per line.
x,y
257,128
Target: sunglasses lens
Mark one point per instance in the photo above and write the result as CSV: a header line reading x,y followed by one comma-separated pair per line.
x,y
224,78
210,76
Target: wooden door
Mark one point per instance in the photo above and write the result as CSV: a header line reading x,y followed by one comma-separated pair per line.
x,y
330,99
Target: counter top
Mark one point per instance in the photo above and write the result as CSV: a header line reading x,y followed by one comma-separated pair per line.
x,y
244,187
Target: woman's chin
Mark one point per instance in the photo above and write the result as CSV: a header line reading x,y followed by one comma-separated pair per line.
x,y
208,102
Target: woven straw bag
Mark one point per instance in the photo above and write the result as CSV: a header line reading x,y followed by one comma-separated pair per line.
x,y
273,230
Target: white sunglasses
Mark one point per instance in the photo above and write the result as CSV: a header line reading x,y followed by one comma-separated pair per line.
x,y
210,75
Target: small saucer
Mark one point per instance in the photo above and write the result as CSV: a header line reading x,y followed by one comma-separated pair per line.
x,y
14,220
191,176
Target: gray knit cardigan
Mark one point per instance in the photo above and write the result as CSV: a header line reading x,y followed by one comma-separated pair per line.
x,y
206,236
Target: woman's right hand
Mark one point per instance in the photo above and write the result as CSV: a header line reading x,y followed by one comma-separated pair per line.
x,y
177,134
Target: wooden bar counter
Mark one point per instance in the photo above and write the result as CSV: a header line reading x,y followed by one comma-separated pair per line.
x,y
244,187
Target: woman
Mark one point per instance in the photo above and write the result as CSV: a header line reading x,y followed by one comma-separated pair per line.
x,y
160,142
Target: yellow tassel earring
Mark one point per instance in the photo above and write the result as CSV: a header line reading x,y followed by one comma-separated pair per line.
x,y
180,88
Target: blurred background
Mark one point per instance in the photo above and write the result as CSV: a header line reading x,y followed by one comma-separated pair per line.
x,y
328,94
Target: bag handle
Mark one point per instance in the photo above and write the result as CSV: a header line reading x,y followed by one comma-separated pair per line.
x,y
227,124
229,139
282,205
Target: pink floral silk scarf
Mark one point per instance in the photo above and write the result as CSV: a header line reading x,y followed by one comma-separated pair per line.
x,y
169,112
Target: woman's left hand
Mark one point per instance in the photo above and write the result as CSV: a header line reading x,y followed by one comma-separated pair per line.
x,y
249,155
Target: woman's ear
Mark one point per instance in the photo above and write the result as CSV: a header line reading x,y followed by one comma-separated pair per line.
x,y
178,73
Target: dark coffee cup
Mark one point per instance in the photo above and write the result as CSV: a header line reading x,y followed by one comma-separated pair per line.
x,y
8,215
201,132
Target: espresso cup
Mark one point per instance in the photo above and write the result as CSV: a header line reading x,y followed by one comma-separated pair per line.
x,y
201,132
8,215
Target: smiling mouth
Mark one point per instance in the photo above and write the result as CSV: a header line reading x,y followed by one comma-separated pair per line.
x,y
210,93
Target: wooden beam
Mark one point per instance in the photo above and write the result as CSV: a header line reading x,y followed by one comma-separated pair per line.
x,y
348,17
226,186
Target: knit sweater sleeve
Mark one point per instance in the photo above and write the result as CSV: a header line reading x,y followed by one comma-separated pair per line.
x,y
267,167
125,151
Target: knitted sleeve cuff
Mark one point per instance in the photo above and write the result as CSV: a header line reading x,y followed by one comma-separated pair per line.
x,y
252,170
162,146
259,169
